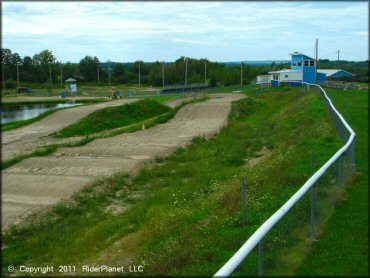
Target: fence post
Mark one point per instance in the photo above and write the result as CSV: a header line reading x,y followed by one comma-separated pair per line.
x,y
260,247
340,175
313,198
354,154
244,192
341,130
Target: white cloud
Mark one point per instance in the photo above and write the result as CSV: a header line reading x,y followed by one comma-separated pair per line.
x,y
226,30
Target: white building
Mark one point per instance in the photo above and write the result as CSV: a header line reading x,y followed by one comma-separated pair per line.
x,y
264,79
303,69
286,75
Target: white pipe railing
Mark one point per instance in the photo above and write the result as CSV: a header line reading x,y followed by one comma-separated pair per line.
x,y
248,246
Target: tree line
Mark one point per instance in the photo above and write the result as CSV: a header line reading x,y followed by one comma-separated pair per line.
x,y
44,68
360,69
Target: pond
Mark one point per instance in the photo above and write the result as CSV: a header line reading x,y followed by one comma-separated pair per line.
x,y
20,112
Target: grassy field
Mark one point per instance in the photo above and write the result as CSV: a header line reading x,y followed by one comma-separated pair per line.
x,y
183,216
114,117
128,91
344,248
85,90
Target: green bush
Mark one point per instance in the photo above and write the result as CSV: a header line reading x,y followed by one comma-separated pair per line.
x,y
114,117
9,84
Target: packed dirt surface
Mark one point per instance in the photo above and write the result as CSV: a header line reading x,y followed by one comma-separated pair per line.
x,y
37,99
26,139
36,183
177,102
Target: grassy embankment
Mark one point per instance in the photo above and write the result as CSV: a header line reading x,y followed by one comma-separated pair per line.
x,y
123,116
114,117
183,217
343,248
21,123
18,124
156,115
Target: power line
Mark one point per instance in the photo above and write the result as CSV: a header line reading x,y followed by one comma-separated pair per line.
x,y
163,74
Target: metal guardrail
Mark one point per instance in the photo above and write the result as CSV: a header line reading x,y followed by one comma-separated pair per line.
x,y
348,136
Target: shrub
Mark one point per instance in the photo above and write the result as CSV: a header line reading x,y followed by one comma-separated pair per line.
x,y
9,84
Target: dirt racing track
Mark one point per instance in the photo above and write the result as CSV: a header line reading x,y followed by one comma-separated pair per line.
x,y
38,182
26,139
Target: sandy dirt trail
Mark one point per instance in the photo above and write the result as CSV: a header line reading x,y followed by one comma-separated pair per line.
x,y
43,181
26,139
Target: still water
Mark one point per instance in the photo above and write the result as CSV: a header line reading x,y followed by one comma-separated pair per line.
x,y
28,111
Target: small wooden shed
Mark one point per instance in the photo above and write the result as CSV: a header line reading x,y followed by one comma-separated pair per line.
x,y
71,85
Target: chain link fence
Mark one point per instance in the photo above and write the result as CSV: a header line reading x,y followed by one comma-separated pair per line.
x,y
279,246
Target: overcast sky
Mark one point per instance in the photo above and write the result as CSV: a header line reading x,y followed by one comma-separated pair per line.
x,y
219,31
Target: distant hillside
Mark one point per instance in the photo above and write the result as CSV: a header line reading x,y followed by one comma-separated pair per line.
x,y
258,63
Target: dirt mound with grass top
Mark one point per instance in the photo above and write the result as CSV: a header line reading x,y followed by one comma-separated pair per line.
x,y
36,183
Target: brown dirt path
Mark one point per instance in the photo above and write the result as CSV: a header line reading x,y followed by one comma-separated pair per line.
x,y
26,139
38,182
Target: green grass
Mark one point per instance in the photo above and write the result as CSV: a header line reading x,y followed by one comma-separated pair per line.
x,y
159,119
18,124
40,152
93,90
47,101
123,116
43,151
114,117
183,216
343,250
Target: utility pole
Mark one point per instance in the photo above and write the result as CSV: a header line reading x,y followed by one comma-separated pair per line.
x,y
51,81
338,60
3,70
18,74
139,72
97,68
61,75
338,65
163,74
205,71
109,72
317,59
186,71
241,74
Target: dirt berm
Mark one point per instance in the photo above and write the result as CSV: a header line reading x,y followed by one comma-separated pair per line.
x,y
25,139
38,182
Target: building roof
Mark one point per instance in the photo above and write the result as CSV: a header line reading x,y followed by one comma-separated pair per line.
x,y
70,80
330,72
285,71
296,53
